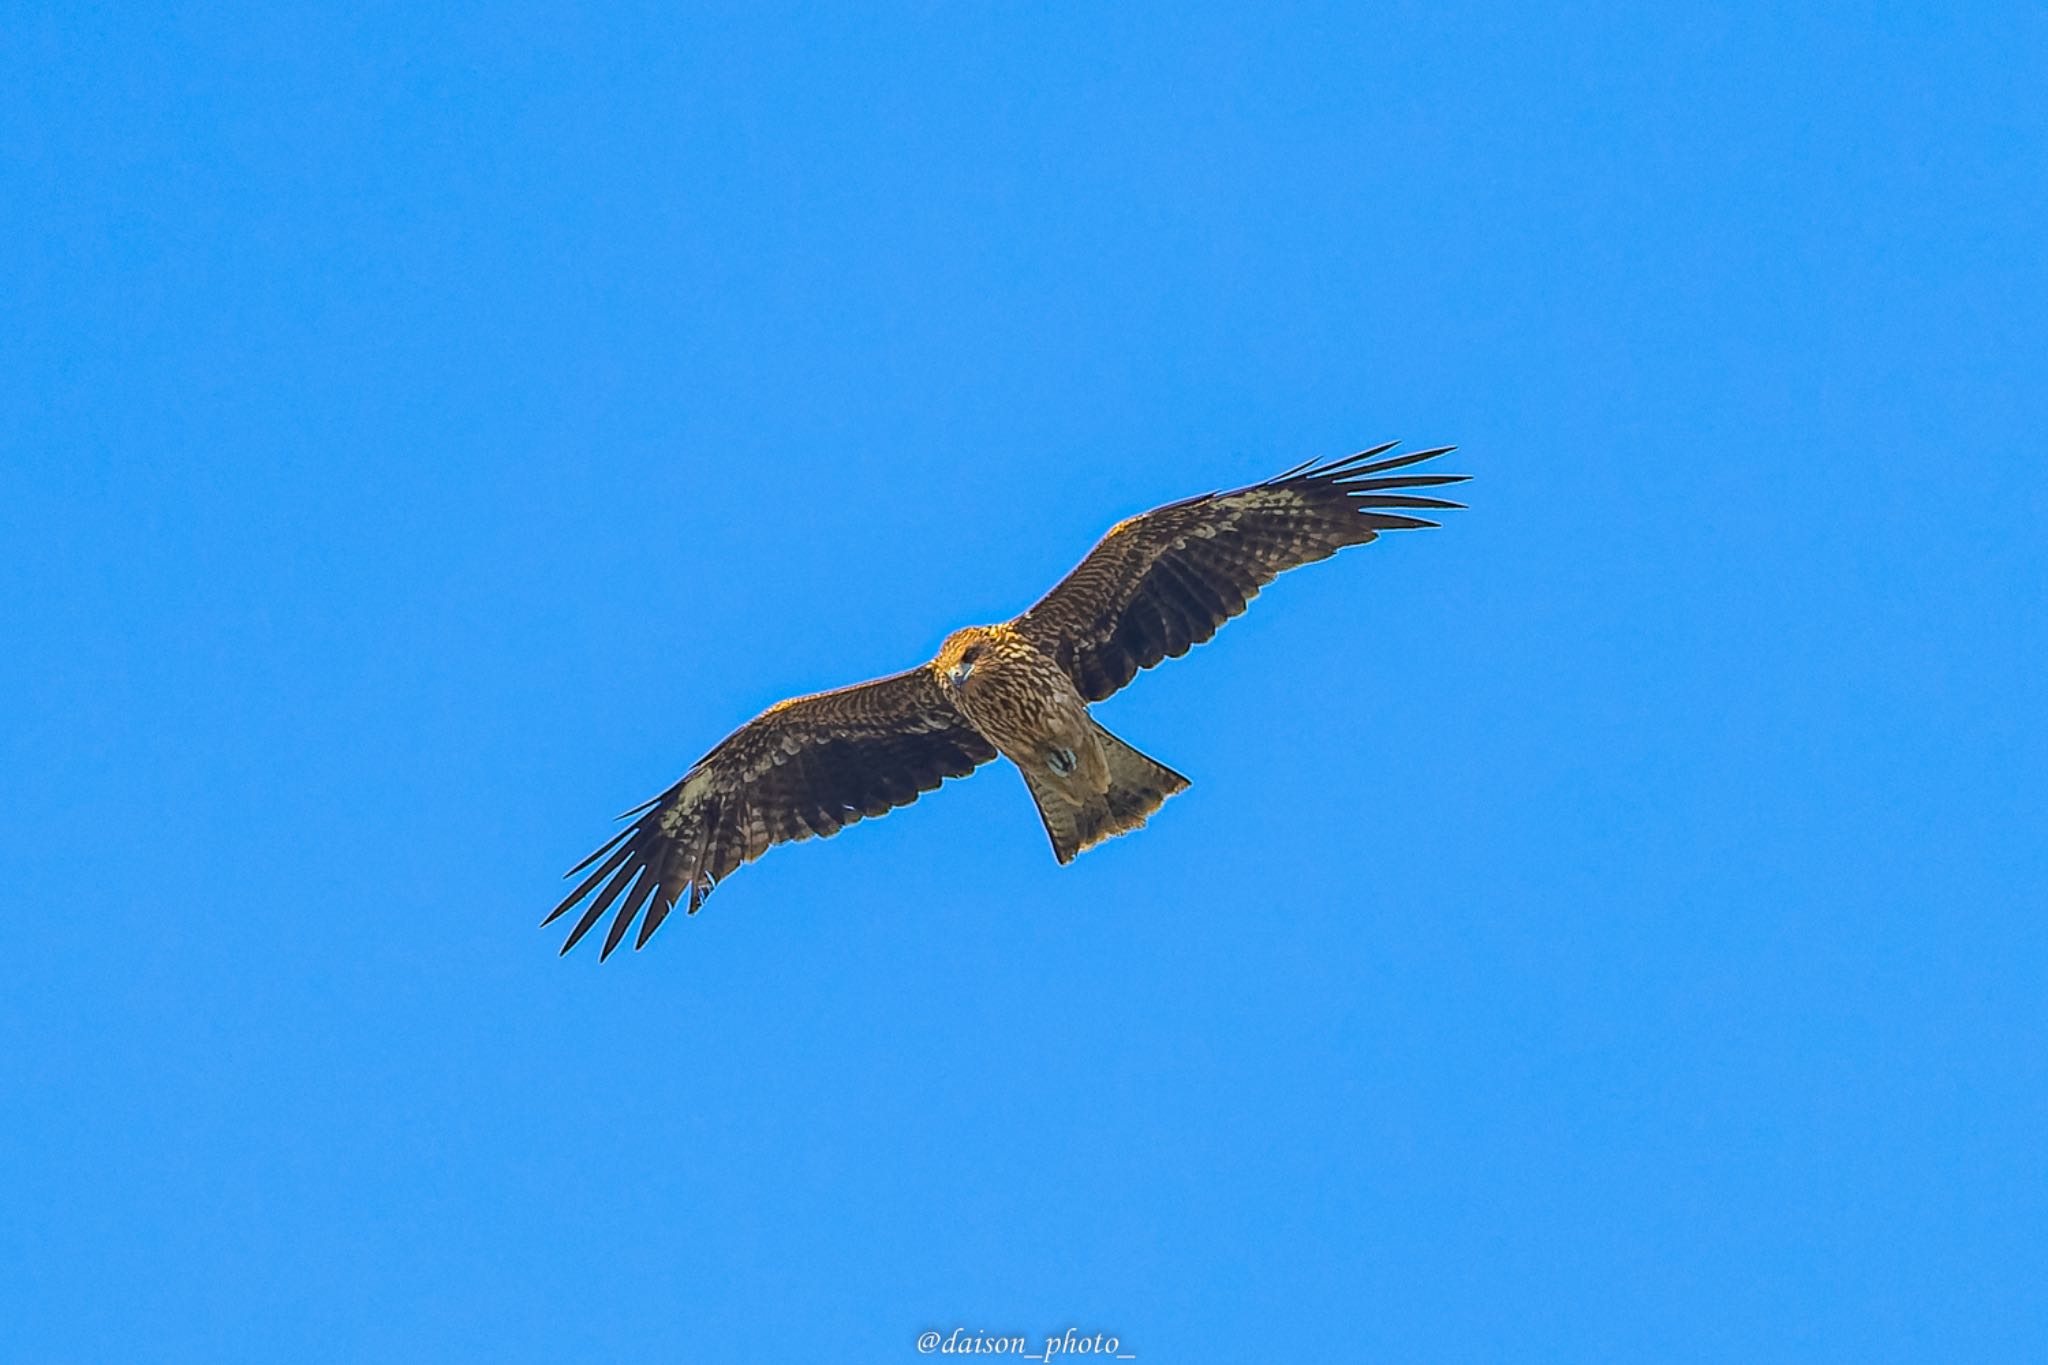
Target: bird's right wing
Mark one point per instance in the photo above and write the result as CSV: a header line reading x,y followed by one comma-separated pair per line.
x,y
806,766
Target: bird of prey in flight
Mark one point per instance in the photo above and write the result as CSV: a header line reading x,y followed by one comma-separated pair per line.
x,y
1153,587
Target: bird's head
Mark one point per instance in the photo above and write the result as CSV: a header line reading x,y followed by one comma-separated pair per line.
x,y
963,651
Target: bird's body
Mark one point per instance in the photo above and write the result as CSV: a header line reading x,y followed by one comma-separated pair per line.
x,y
1026,706
1156,585
1088,784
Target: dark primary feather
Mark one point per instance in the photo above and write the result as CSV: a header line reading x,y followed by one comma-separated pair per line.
x,y
1161,583
810,766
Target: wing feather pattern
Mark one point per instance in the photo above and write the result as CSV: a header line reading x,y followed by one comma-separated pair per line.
x,y
809,766
1161,583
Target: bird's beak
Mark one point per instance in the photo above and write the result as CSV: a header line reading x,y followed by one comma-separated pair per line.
x,y
957,674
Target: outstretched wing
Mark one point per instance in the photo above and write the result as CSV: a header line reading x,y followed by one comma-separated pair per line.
x,y
1161,583
807,766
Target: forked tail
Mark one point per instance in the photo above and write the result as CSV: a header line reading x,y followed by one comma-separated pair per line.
x,y
1137,787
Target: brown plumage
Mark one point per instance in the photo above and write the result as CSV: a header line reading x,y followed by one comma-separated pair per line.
x,y
1154,587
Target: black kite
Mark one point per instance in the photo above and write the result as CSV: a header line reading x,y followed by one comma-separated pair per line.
x,y
1155,586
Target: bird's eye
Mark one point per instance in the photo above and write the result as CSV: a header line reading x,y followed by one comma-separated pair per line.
x,y
970,654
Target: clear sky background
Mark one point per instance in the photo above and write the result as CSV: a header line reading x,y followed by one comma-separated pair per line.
x,y
1609,927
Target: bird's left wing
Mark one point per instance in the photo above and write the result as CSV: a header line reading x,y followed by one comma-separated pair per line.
x,y
806,766
1161,583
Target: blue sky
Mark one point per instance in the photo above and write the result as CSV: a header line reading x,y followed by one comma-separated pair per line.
x,y
1609,927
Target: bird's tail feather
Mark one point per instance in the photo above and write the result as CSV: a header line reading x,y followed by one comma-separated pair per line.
x,y
1137,786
